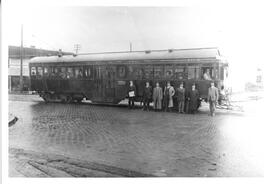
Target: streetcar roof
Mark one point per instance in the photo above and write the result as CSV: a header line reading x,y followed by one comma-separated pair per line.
x,y
170,54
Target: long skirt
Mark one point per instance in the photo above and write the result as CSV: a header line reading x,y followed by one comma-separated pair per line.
x,y
170,101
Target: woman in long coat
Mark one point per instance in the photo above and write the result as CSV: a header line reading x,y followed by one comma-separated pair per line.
x,y
193,99
157,97
168,97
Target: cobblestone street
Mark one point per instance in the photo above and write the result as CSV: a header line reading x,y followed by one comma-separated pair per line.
x,y
112,141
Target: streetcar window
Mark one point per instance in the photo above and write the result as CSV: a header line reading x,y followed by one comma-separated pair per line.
x,y
121,71
46,71
138,72
70,73
33,71
215,74
54,72
88,72
57,72
98,72
158,72
131,71
221,74
207,73
78,73
148,72
198,72
169,72
193,72
39,71
179,72
62,73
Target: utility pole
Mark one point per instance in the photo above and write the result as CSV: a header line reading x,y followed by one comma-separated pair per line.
x,y
21,57
77,47
9,77
130,46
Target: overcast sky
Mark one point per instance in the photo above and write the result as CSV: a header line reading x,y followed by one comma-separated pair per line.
x,y
99,29
237,31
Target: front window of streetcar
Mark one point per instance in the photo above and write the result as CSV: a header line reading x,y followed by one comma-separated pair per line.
x,y
193,72
33,71
39,71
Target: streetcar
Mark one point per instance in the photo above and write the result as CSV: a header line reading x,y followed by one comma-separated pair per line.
x,y
104,77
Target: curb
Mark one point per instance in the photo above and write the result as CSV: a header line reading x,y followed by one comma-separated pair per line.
x,y
13,121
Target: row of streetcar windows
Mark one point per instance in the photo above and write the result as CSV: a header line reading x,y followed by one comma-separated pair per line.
x,y
58,72
138,72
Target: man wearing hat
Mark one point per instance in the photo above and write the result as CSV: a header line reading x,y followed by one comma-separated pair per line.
x,y
212,98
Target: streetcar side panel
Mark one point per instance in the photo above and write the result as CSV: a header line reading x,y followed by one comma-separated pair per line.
x,y
101,82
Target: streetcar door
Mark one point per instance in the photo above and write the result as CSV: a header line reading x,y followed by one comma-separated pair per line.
x,y
97,92
109,83
104,84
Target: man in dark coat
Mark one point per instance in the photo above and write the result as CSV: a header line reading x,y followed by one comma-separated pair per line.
x,y
180,95
147,96
131,94
193,98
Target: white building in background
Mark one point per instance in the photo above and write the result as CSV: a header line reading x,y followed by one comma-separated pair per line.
x,y
14,64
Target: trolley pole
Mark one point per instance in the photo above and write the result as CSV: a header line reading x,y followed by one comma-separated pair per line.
x,y
21,63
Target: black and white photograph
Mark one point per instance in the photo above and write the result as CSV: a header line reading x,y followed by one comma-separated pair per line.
x,y
117,91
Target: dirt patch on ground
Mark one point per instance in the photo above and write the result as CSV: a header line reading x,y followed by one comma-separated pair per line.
x,y
34,164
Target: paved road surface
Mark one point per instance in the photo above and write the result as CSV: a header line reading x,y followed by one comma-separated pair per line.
x,y
84,140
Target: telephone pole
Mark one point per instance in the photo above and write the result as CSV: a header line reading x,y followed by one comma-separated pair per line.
x,y
77,47
130,46
21,63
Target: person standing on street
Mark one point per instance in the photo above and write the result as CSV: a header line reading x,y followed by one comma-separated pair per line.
x,y
212,98
168,97
131,94
193,98
180,94
147,95
157,97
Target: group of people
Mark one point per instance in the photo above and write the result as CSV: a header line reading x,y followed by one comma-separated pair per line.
x,y
187,102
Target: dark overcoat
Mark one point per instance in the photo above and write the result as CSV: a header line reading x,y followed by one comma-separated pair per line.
x,y
147,93
193,99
